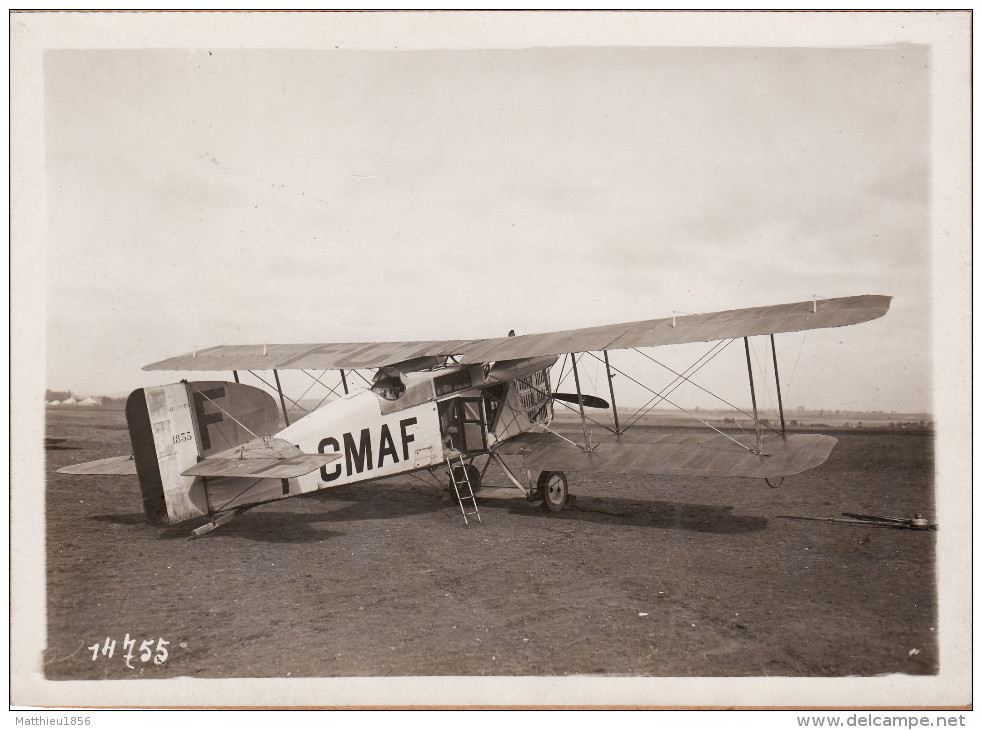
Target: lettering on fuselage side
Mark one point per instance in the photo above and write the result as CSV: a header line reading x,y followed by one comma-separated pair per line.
x,y
206,419
358,457
406,437
321,448
387,447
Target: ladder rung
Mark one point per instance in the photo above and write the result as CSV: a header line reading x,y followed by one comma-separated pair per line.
x,y
463,495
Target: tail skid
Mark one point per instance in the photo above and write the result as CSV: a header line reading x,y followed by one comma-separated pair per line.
x,y
217,521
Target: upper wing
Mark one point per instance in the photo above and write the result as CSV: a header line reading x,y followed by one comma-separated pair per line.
x,y
647,333
673,454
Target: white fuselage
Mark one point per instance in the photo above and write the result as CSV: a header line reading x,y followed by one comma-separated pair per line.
x,y
371,445
382,432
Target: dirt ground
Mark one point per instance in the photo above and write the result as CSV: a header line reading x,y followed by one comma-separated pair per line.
x,y
642,576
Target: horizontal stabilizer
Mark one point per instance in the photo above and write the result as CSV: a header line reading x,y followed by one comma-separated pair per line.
x,y
121,465
674,454
262,459
589,401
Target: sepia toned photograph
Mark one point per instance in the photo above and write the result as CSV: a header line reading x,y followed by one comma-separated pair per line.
x,y
498,359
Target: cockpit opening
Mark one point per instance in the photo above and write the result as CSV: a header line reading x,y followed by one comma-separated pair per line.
x,y
388,385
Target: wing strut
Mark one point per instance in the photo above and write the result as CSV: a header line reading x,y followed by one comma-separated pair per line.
x,y
279,389
579,394
613,403
777,382
344,382
753,393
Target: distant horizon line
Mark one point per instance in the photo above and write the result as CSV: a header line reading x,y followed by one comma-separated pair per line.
x,y
629,409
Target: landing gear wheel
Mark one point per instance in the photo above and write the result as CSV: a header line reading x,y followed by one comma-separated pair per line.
x,y
553,489
472,473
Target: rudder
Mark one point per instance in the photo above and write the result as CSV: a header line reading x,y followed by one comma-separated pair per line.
x,y
173,426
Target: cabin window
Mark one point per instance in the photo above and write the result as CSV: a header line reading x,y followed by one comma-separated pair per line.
x,y
460,380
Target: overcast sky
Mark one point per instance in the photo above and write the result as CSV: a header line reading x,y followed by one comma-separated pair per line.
x,y
204,197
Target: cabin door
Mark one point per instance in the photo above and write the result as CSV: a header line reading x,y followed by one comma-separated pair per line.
x,y
473,424
464,425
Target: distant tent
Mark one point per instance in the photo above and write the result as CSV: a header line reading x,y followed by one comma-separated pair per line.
x,y
90,401
70,401
55,403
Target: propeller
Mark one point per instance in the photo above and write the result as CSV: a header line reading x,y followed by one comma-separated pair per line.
x,y
590,401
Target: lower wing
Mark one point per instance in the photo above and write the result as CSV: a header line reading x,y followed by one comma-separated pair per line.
x,y
699,455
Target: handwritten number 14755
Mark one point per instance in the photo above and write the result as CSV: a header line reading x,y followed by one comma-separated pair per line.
x,y
147,650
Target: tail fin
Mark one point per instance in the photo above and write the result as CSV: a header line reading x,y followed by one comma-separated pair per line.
x,y
172,427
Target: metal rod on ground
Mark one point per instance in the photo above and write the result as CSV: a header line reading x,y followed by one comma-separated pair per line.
x,y
753,393
915,524
777,382
279,390
344,382
613,403
579,398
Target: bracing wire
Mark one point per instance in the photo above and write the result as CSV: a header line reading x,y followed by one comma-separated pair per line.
x,y
236,496
801,347
575,409
692,382
592,379
318,381
215,403
763,373
562,377
278,390
662,395
705,359
414,475
695,379
331,391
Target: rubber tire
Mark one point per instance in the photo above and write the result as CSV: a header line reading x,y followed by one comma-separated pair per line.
x,y
556,499
472,472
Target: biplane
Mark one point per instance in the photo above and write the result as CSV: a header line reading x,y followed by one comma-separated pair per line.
x,y
214,449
